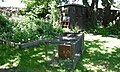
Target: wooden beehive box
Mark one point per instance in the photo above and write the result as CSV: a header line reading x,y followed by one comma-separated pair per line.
x,y
64,51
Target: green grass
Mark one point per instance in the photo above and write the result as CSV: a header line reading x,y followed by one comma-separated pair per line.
x,y
101,54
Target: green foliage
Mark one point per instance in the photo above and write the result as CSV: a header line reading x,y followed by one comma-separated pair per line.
x,y
24,30
42,9
105,31
54,12
27,29
5,27
75,28
38,11
97,57
37,8
40,21
4,22
114,29
90,27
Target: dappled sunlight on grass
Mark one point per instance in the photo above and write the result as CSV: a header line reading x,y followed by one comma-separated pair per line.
x,y
101,57
8,57
94,68
101,54
103,44
11,63
109,41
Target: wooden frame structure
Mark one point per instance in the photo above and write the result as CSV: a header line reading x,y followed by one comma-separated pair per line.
x,y
74,40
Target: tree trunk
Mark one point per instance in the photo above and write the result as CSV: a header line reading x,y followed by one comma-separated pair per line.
x,y
94,7
85,2
92,10
106,13
106,16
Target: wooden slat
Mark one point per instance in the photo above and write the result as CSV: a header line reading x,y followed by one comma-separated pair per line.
x,y
38,42
52,41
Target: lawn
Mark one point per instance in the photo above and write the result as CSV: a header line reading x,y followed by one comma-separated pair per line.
x,y
101,54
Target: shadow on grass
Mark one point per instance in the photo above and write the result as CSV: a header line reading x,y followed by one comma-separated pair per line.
x,y
25,60
96,58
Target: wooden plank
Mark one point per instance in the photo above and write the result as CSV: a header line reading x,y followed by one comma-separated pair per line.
x,y
52,41
38,42
30,44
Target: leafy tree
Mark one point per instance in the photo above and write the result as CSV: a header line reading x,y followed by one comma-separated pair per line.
x,y
107,5
92,10
107,17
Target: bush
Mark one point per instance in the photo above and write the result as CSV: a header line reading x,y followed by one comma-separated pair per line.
x,y
33,25
114,29
38,9
5,27
27,29
105,31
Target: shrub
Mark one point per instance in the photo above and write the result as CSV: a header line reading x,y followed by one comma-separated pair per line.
x,y
5,27
105,31
33,25
26,29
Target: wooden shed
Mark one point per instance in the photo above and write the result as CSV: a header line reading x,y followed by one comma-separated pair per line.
x,y
73,15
